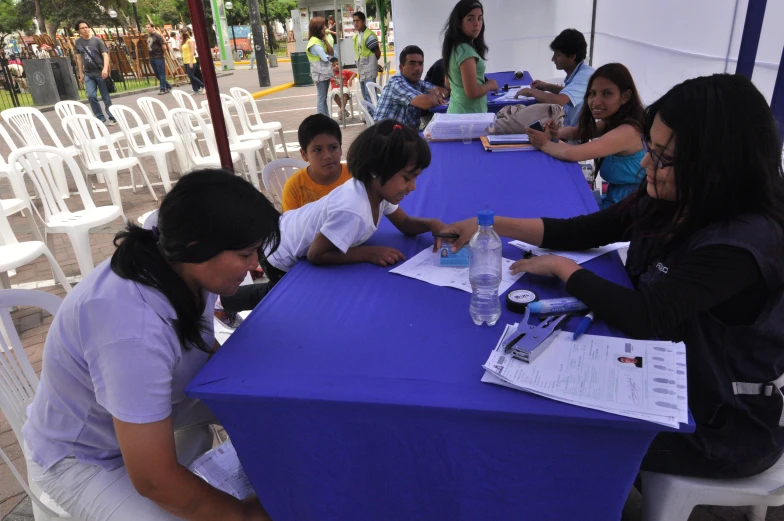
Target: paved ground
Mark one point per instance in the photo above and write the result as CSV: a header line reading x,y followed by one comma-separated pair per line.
x,y
289,107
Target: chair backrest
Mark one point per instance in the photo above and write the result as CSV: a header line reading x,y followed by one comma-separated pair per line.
x,y
228,103
131,126
155,113
189,126
37,162
70,108
366,108
275,173
245,99
83,131
24,120
7,140
18,381
387,67
185,100
374,90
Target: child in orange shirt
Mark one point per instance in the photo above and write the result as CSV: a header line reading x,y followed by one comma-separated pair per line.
x,y
320,142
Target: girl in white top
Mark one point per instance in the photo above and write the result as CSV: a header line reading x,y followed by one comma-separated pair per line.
x,y
384,161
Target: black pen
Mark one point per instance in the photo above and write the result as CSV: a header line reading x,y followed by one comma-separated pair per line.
x,y
446,235
527,254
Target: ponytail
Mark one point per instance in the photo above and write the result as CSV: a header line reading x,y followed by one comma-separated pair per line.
x,y
139,259
385,149
206,213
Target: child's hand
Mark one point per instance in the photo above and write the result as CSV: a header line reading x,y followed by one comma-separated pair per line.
x,y
537,139
383,255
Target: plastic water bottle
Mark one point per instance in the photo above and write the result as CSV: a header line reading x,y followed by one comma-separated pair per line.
x,y
485,271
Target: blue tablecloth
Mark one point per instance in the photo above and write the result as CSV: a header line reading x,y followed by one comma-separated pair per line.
x,y
502,78
353,394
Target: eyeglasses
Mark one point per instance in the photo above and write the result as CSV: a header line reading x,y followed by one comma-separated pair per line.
x,y
657,159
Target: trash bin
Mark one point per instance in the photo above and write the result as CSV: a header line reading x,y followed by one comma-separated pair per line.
x,y
301,68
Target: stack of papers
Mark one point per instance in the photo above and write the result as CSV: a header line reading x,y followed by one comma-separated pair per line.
x,y
577,256
221,468
425,266
639,379
448,127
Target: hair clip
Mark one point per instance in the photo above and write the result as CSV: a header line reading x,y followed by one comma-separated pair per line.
x,y
397,127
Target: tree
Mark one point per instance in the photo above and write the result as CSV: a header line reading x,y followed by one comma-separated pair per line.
x,y
12,20
280,10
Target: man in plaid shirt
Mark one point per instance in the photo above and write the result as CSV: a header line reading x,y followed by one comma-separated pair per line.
x,y
405,95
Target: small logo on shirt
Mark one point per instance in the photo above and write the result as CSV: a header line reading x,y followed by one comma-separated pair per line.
x,y
661,267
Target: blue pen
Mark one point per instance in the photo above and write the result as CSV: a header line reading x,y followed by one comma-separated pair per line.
x,y
584,326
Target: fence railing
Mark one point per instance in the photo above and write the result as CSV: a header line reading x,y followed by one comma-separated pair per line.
x,y
130,69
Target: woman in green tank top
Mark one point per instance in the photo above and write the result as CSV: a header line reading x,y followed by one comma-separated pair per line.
x,y
463,53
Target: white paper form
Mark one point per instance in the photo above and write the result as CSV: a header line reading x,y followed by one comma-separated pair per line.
x,y
425,266
221,468
618,375
577,256
510,96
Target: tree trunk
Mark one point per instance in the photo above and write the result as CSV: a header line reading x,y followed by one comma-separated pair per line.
x,y
39,16
51,29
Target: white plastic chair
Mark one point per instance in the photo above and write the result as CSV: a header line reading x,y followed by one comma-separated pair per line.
x,y
138,140
191,129
247,146
71,108
186,101
18,384
275,174
336,92
366,107
14,254
246,99
24,121
387,67
246,132
82,130
155,112
19,201
672,498
36,163
374,90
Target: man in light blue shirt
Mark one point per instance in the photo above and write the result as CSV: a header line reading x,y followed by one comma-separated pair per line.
x,y
569,51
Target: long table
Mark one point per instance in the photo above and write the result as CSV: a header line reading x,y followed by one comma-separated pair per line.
x,y
354,394
493,103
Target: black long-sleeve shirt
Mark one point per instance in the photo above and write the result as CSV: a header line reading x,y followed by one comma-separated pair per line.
x,y
724,280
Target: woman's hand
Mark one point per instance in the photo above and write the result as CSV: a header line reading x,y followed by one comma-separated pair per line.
x,y
492,84
538,139
465,229
552,128
546,266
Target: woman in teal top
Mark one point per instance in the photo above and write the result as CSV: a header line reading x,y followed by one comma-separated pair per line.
x,y
463,53
609,131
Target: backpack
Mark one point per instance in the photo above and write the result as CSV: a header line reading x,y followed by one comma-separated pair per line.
x,y
514,119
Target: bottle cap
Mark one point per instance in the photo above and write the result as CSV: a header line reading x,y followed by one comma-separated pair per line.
x,y
485,218
536,307
517,300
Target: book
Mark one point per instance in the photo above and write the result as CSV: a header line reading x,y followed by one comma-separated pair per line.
x,y
505,147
